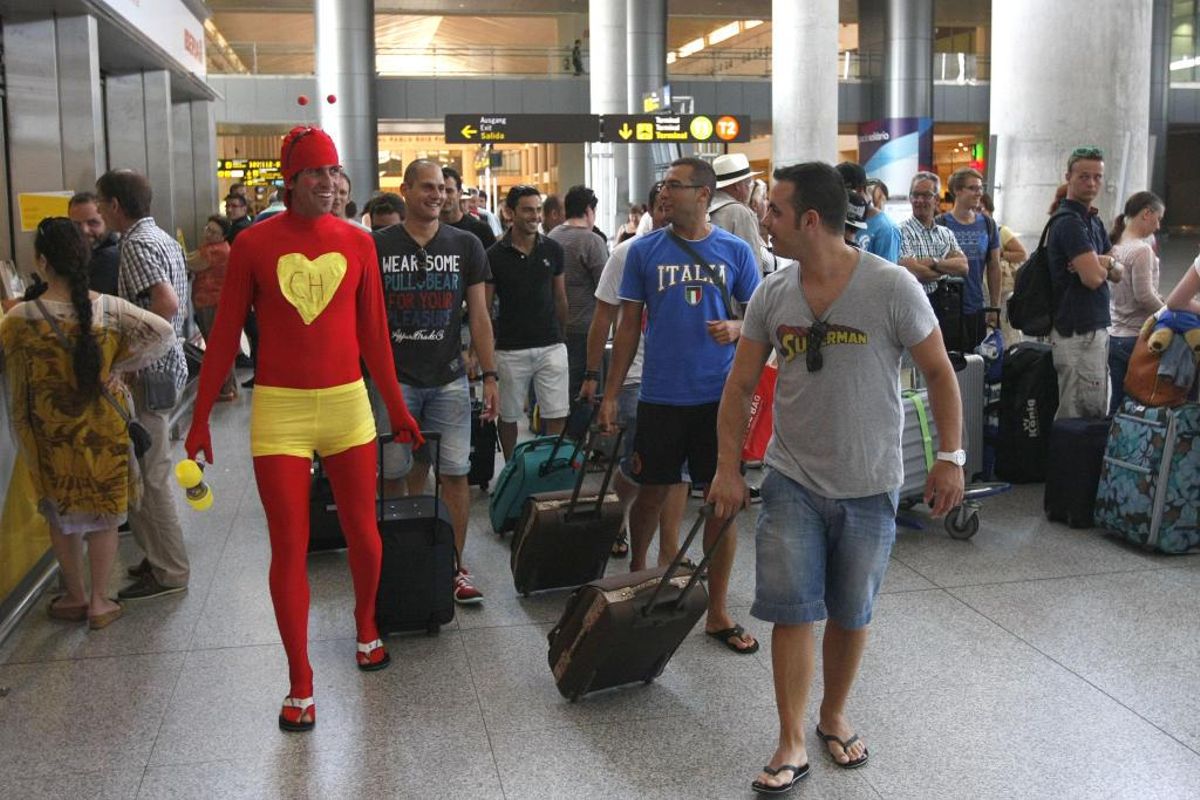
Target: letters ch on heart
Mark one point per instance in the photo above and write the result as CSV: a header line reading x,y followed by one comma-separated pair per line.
x,y
310,285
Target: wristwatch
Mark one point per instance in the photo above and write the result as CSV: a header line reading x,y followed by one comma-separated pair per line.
x,y
956,457
591,374
490,374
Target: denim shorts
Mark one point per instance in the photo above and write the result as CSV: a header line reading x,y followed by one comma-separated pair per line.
x,y
819,558
627,404
445,409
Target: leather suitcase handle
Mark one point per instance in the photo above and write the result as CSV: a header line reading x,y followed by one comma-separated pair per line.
x,y
706,511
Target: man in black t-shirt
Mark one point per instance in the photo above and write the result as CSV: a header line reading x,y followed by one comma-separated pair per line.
x,y
453,214
527,276
428,270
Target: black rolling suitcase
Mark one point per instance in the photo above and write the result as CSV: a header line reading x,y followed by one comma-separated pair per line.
x,y
1073,466
324,530
565,538
625,628
947,302
484,444
416,584
1028,402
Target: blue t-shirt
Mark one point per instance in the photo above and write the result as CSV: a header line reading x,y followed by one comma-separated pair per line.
x,y
1078,309
882,238
683,365
976,241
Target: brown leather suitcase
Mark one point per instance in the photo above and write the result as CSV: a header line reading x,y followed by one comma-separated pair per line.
x,y
625,628
565,538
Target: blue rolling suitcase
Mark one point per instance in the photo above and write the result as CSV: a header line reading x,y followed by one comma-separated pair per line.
x,y
1150,480
544,464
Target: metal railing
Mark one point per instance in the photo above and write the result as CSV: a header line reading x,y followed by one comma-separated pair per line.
x,y
556,62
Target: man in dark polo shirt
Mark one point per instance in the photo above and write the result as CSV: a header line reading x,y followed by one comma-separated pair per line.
x,y
1080,269
527,276
453,214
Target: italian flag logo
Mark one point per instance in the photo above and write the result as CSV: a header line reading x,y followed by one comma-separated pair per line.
x,y
693,295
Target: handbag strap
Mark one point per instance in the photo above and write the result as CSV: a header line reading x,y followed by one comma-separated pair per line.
x,y
709,272
66,343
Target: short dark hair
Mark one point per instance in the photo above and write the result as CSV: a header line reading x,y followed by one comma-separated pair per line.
x,y
410,172
236,198
513,198
853,175
702,172
552,203
130,189
578,200
385,203
451,172
82,198
222,222
652,196
817,186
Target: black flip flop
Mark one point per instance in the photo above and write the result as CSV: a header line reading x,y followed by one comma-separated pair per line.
x,y
723,636
798,774
858,762
620,547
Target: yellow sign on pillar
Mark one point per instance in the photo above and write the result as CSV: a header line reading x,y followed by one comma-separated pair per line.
x,y
36,206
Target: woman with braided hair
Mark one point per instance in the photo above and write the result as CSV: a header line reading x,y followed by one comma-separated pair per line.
x,y
60,354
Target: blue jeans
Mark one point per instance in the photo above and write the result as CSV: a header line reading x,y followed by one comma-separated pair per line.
x,y
445,409
1120,348
819,557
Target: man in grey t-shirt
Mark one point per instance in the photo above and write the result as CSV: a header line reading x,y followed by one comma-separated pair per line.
x,y
585,256
838,325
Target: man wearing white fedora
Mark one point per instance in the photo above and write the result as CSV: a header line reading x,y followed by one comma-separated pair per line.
x,y
730,209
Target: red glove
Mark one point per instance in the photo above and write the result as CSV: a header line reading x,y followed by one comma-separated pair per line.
x,y
404,428
199,439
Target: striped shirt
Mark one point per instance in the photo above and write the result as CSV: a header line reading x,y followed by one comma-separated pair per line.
x,y
149,256
918,241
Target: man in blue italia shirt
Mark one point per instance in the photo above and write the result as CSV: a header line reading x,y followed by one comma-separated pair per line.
x,y
687,279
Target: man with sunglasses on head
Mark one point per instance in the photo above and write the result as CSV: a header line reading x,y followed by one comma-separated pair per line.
x,y
839,322
686,278
429,269
1080,269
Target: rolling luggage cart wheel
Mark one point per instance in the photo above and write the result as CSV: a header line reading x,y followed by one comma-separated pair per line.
x,y
963,522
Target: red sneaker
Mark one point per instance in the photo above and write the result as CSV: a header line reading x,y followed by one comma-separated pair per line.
x,y
465,593
372,656
299,714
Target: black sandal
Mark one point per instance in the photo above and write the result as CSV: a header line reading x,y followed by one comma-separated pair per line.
x,y
737,631
798,774
858,762
620,547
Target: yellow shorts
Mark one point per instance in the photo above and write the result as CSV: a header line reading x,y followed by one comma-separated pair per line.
x,y
299,422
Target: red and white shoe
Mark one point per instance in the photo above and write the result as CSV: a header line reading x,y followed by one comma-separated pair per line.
x,y
465,593
299,714
372,656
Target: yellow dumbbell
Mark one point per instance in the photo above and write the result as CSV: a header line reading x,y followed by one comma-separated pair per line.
x,y
190,475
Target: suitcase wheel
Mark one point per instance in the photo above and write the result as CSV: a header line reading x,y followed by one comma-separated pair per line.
x,y
433,629
963,522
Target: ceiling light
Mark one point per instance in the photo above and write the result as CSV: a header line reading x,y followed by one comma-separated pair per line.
x,y
751,23
694,46
671,58
725,32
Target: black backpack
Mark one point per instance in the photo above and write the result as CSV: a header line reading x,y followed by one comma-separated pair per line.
x,y
1031,306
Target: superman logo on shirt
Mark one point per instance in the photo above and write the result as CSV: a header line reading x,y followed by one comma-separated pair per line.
x,y
793,339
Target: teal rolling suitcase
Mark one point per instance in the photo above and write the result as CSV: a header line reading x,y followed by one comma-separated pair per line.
x,y
1150,481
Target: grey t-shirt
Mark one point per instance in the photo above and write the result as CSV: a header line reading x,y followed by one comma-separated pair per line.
x,y
585,256
838,430
609,291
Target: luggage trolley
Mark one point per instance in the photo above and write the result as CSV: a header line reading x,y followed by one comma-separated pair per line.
x,y
919,430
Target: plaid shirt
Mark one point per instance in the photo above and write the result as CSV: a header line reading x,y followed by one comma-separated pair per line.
x,y
149,256
917,241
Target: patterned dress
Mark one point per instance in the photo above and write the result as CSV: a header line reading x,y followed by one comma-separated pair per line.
x,y
77,449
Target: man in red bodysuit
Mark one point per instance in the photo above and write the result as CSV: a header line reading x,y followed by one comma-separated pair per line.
x,y
313,281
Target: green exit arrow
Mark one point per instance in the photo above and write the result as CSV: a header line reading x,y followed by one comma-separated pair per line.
x,y
625,131
467,131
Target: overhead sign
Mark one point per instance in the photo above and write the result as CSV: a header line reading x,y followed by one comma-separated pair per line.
x,y
633,128
659,98
521,128
250,171
620,128
171,25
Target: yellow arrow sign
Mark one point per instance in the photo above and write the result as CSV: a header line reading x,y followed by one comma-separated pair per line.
x,y
625,131
467,131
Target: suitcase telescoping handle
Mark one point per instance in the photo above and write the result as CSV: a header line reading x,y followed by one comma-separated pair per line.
x,y
577,403
430,436
610,448
706,512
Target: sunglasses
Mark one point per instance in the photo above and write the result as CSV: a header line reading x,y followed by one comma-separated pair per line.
x,y
813,359
1087,152
43,228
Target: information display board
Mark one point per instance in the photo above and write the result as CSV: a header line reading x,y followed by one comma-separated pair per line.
x,y
521,128
634,128
250,171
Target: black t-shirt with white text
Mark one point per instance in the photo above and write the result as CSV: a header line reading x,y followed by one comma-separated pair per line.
x,y
423,291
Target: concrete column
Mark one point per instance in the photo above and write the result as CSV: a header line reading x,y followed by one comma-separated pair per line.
x,y
908,59
804,90
204,158
1160,93
159,141
186,213
346,70
34,133
125,121
80,101
872,47
1098,96
646,57
608,167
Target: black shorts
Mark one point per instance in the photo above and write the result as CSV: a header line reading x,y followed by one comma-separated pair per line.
x,y
668,436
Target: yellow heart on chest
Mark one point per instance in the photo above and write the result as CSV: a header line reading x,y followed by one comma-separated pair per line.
x,y
310,285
